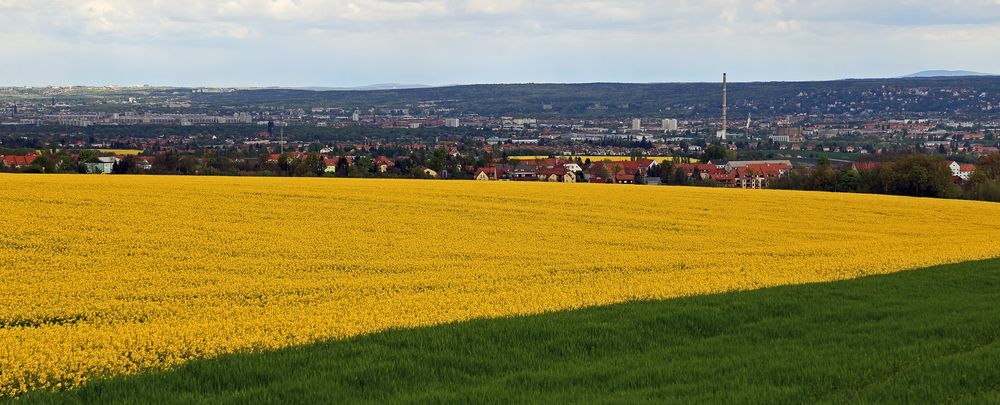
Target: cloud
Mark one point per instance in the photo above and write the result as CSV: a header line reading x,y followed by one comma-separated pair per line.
x,y
782,27
334,42
493,7
770,7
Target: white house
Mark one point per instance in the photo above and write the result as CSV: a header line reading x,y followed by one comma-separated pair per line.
x,y
961,170
102,166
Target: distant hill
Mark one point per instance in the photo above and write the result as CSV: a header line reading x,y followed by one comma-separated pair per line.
x,y
947,73
900,96
380,86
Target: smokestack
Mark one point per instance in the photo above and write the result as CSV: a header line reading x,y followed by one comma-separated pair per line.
x,y
725,122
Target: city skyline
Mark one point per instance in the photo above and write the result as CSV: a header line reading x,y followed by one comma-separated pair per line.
x,y
327,43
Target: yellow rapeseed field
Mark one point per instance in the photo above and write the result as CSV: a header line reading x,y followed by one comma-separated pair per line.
x,y
105,275
121,151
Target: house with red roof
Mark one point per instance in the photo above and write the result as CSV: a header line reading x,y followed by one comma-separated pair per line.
x,y
981,150
18,161
757,176
556,174
145,162
624,179
701,171
523,174
486,173
620,171
744,174
495,172
961,170
330,164
383,163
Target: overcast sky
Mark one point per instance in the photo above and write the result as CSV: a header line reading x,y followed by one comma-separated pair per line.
x,y
358,42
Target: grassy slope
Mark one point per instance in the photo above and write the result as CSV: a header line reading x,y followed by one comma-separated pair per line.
x,y
922,336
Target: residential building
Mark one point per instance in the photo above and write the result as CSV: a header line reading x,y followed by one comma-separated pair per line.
x,y
104,165
962,170
17,161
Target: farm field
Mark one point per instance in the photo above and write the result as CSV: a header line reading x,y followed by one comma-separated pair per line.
x,y
121,151
922,336
109,275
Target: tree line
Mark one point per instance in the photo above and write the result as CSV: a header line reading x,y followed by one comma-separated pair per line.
x,y
913,175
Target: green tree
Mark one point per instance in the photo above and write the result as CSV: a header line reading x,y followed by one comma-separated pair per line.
x,y
43,164
985,181
123,166
717,152
918,176
680,178
167,163
89,156
665,168
989,166
604,173
314,164
438,160
823,177
848,180
342,167
285,164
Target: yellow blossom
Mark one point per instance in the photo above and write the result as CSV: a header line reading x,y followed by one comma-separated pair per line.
x,y
105,275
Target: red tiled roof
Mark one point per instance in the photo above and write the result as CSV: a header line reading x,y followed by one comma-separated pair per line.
x,y
492,170
767,170
18,161
336,160
558,171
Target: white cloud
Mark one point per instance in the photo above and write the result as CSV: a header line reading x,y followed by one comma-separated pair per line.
x,y
767,7
448,41
493,7
784,26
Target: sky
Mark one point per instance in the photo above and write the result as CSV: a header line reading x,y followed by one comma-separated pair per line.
x,y
438,42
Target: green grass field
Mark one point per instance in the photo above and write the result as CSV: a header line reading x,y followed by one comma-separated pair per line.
x,y
923,336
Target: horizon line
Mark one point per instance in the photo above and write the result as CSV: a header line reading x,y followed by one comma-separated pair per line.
x,y
417,86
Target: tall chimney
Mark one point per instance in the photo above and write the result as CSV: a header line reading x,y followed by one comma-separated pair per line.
x,y
725,122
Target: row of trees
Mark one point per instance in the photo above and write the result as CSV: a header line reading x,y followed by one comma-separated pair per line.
x,y
915,175
310,165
